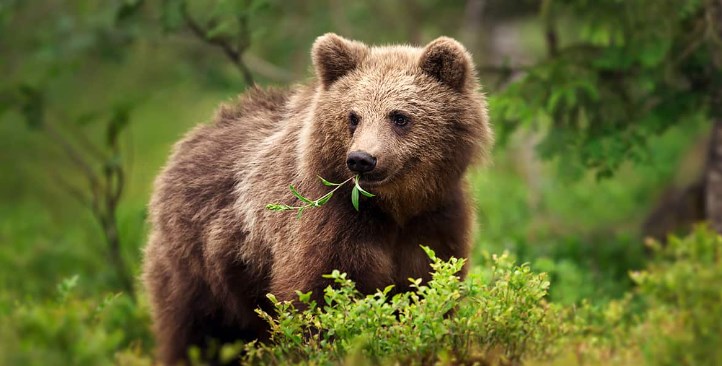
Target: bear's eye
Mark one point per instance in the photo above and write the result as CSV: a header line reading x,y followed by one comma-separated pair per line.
x,y
353,119
399,119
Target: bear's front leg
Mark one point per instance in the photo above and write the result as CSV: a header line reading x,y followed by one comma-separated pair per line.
x,y
369,266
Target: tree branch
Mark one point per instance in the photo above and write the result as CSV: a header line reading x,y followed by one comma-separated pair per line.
x,y
75,156
233,54
267,69
505,73
72,190
501,69
115,191
550,32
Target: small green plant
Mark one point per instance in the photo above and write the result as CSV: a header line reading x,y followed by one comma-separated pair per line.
x,y
309,203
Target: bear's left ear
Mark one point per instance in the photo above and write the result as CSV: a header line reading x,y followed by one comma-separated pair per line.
x,y
334,56
447,61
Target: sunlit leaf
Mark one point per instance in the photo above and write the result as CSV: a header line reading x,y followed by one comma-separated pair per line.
x,y
355,197
327,183
365,193
298,195
321,201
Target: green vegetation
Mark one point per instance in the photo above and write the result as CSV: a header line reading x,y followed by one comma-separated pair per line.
x,y
70,329
499,315
500,309
356,192
603,110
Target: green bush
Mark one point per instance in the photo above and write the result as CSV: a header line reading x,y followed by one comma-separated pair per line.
x,y
70,330
672,317
494,316
683,292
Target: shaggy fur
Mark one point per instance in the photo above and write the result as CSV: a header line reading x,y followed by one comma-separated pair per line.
x,y
215,251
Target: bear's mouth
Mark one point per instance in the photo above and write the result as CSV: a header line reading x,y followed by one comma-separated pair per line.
x,y
378,178
372,180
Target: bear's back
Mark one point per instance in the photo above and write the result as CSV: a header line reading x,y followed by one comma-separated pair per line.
x,y
199,181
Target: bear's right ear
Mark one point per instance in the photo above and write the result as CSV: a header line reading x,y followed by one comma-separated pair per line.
x,y
447,61
334,56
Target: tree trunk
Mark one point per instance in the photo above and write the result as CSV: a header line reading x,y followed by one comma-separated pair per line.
x,y
115,255
713,178
679,209
471,31
703,197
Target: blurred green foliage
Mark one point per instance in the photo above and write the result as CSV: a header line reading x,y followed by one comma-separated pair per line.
x,y
595,88
629,71
670,318
72,330
684,305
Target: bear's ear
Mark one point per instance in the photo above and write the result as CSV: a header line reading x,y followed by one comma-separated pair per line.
x,y
447,61
334,56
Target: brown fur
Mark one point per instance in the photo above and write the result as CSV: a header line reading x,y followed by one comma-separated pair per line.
x,y
215,251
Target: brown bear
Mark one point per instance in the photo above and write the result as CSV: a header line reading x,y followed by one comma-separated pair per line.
x,y
409,121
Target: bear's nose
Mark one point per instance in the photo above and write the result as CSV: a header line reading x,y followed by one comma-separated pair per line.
x,y
360,162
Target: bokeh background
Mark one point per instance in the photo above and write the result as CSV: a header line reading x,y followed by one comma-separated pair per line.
x,y
605,112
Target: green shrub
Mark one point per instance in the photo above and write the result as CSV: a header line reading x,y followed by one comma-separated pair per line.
x,y
70,330
496,316
683,292
673,316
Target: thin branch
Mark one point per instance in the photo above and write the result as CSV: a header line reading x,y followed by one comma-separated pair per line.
x,y
117,192
235,55
501,69
243,45
88,145
505,73
74,155
74,192
83,140
267,69
517,69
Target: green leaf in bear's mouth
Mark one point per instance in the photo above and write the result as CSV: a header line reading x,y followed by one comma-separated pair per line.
x,y
356,191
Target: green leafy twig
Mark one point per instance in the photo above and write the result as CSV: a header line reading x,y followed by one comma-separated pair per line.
x,y
309,203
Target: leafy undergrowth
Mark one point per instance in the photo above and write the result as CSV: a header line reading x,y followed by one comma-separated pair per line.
x,y
72,330
499,315
680,317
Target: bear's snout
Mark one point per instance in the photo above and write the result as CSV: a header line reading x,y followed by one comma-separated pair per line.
x,y
360,162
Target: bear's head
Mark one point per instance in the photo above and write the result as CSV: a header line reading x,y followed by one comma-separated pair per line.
x,y
408,120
